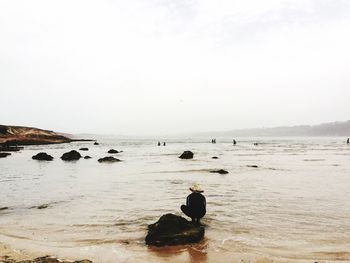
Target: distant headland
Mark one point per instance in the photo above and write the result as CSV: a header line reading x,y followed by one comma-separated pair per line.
x,y
20,135
324,129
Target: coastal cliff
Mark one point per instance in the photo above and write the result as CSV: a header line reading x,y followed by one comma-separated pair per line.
x,y
18,135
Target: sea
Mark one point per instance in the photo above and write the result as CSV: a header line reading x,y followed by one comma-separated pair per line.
x,y
283,200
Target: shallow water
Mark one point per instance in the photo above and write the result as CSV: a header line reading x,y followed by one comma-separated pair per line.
x,y
294,206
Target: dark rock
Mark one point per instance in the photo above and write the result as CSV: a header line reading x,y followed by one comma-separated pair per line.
x,y
113,151
43,206
186,155
108,159
3,208
171,229
96,143
253,166
6,148
71,156
221,171
215,157
3,155
87,157
42,157
83,149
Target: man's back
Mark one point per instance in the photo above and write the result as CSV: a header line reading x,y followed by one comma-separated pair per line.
x,y
196,202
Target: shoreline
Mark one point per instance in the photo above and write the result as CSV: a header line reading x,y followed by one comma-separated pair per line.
x,y
9,254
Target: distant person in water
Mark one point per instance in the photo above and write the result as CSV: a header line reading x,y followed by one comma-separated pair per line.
x,y
164,143
234,142
348,141
158,143
195,207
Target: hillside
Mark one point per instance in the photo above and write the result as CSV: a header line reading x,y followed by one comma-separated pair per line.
x,y
29,136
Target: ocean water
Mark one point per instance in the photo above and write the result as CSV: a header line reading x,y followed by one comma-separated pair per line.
x,y
295,207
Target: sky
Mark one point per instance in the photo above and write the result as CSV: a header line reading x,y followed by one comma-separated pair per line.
x,y
147,67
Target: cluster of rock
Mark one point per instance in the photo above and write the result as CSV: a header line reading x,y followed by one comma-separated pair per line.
x,y
74,156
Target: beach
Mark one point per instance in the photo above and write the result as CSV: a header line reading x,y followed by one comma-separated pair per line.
x,y
283,200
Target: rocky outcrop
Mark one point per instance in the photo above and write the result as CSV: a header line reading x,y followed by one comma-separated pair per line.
x,y
71,156
108,159
253,166
215,157
8,148
87,157
113,151
221,171
19,135
186,155
3,155
83,149
96,143
42,157
171,229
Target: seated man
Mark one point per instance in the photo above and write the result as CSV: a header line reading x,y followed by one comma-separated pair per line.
x,y
195,204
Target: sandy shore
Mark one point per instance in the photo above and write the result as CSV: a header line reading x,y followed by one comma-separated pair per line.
x,y
11,255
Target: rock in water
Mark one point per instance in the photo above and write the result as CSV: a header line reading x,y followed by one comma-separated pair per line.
x,y
3,155
83,149
43,206
96,143
108,159
186,155
113,151
71,156
42,157
215,157
87,157
173,230
221,171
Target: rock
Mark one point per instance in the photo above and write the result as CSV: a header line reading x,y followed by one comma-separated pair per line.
x,y
43,206
3,208
83,149
42,157
113,151
221,171
3,155
71,156
253,166
87,157
96,143
215,157
186,155
108,159
171,229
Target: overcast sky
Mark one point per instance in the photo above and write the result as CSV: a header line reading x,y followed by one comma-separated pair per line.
x,y
139,67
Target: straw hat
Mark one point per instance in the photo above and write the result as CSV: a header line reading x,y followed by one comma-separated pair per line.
x,y
196,188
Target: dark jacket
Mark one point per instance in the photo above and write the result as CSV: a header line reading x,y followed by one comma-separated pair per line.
x,y
197,204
